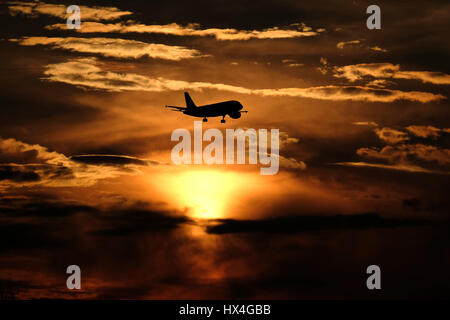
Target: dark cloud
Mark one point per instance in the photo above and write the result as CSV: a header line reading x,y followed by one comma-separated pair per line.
x,y
32,207
10,288
98,159
131,221
413,203
18,174
20,236
47,221
310,223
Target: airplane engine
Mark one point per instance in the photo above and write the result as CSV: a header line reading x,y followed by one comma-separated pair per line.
x,y
235,115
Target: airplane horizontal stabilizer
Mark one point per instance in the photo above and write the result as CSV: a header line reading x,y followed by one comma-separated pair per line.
x,y
176,108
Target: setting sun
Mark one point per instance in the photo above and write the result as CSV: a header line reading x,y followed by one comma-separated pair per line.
x,y
206,192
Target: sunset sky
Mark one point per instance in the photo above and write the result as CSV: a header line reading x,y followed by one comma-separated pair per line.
x,y
86,176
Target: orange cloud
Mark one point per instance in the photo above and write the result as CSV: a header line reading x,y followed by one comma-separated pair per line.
x,y
400,167
342,44
365,123
391,136
377,48
87,73
110,47
426,131
388,70
404,154
193,29
59,10
25,164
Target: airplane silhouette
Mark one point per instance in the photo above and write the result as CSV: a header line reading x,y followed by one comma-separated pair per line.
x,y
232,108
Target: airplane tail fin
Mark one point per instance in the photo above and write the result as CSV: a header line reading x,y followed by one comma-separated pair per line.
x,y
189,103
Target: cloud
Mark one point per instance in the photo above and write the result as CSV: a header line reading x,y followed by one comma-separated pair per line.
x,y
379,83
323,69
377,48
26,164
114,160
285,139
407,153
426,131
291,163
300,224
135,220
103,221
343,44
398,167
13,151
365,123
17,174
87,73
42,207
388,70
109,47
193,29
293,65
398,155
391,136
59,10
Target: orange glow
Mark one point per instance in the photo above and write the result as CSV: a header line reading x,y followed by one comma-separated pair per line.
x,y
205,192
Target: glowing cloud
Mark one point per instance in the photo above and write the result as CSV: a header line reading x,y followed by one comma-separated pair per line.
x,y
25,164
388,70
391,136
343,44
426,131
87,73
59,10
193,29
108,47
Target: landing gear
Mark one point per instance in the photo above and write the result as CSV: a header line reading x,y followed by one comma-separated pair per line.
x,y
205,120
223,120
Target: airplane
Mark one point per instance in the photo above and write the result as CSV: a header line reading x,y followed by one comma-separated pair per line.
x,y
232,108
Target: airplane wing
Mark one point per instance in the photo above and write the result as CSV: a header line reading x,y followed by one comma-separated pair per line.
x,y
181,109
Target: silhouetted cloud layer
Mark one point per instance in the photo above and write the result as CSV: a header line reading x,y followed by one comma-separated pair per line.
x,y
406,153
103,159
400,155
310,223
25,164
399,167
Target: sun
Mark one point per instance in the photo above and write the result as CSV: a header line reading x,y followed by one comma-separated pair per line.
x,y
207,193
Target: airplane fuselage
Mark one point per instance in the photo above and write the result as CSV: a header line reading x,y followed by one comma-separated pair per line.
x,y
215,110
